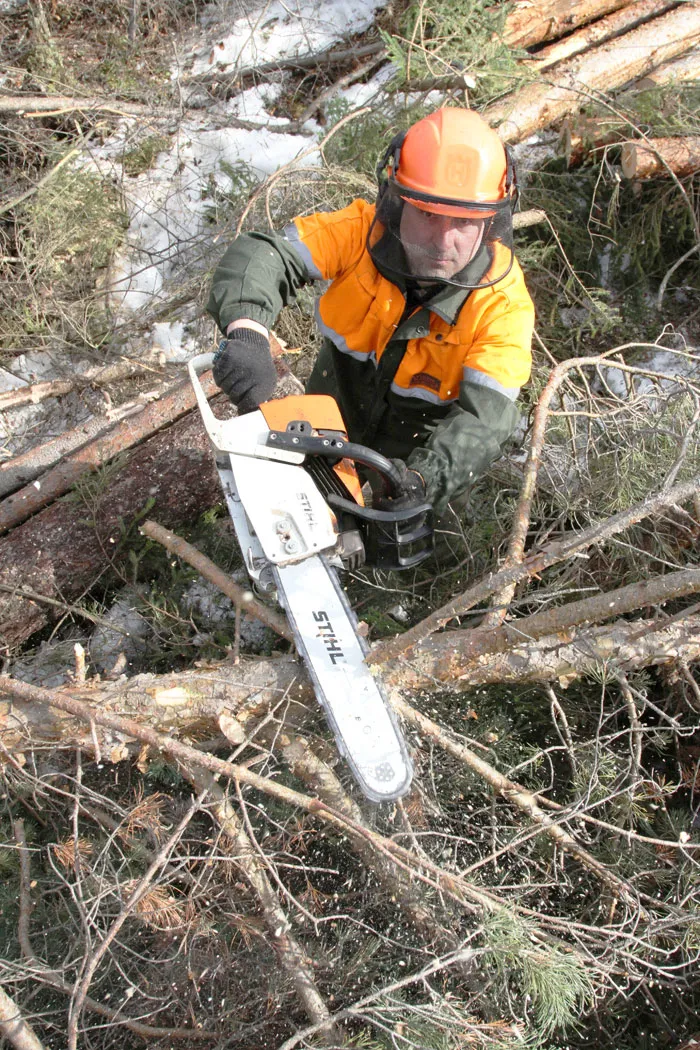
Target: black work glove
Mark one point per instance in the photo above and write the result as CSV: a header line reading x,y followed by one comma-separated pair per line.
x,y
244,370
412,490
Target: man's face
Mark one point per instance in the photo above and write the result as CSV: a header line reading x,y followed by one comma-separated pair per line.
x,y
438,246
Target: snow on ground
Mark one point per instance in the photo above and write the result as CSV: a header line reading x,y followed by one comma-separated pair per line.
x,y
167,205
276,29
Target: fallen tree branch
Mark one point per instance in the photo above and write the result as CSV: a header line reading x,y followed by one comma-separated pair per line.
x,y
534,563
458,889
288,950
42,972
91,963
13,1026
241,597
33,394
465,892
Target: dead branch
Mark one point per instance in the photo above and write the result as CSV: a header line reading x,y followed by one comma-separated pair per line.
x,y
659,157
32,395
612,25
93,960
576,81
13,1026
320,780
40,971
525,800
486,639
569,545
242,598
252,866
40,105
456,888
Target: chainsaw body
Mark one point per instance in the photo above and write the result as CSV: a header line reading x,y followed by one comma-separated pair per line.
x,y
292,490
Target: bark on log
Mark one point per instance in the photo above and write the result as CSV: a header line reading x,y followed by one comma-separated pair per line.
x,y
29,465
125,435
63,550
582,136
529,24
644,160
195,700
598,32
679,71
573,83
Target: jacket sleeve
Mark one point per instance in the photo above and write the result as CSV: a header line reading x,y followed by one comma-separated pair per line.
x,y
259,274
473,434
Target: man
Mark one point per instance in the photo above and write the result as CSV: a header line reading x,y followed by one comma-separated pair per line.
x,y
426,323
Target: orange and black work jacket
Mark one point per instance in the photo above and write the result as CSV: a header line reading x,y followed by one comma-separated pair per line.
x,y
432,383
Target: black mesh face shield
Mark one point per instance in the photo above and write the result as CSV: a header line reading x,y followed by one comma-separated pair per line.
x,y
432,240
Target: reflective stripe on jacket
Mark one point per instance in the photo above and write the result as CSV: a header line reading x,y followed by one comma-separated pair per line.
x,y
434,385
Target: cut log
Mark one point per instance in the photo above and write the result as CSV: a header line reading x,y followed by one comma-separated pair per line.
x,y
529,23
63,550
680,71
604,68
598,32
32,395
30,499
29,465
642,160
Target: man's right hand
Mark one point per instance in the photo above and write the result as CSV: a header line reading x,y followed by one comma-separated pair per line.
x,y
244,369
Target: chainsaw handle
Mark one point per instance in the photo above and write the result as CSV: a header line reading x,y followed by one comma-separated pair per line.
x,y
195,367
297,438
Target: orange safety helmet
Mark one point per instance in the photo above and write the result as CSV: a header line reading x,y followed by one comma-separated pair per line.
x,y
449,163
449,159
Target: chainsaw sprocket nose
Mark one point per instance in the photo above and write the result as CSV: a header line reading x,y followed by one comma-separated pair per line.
x,y
292,537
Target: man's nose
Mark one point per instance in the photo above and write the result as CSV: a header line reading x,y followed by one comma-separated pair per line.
x,y
443,228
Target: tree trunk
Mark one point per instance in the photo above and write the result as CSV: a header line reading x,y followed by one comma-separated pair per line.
x,y
197,699
643,160
529,24
92,456
606,67
607,28
679,71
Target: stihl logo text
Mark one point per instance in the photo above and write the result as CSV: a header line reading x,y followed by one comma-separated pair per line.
x,y
328,636
307,508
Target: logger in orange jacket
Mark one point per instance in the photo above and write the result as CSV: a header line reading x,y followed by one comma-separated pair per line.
x,y
427,321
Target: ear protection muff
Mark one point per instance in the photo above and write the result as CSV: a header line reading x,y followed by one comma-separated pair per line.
x,y
512,188
390,158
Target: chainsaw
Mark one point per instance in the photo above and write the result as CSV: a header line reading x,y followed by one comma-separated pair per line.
x,y
290,481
